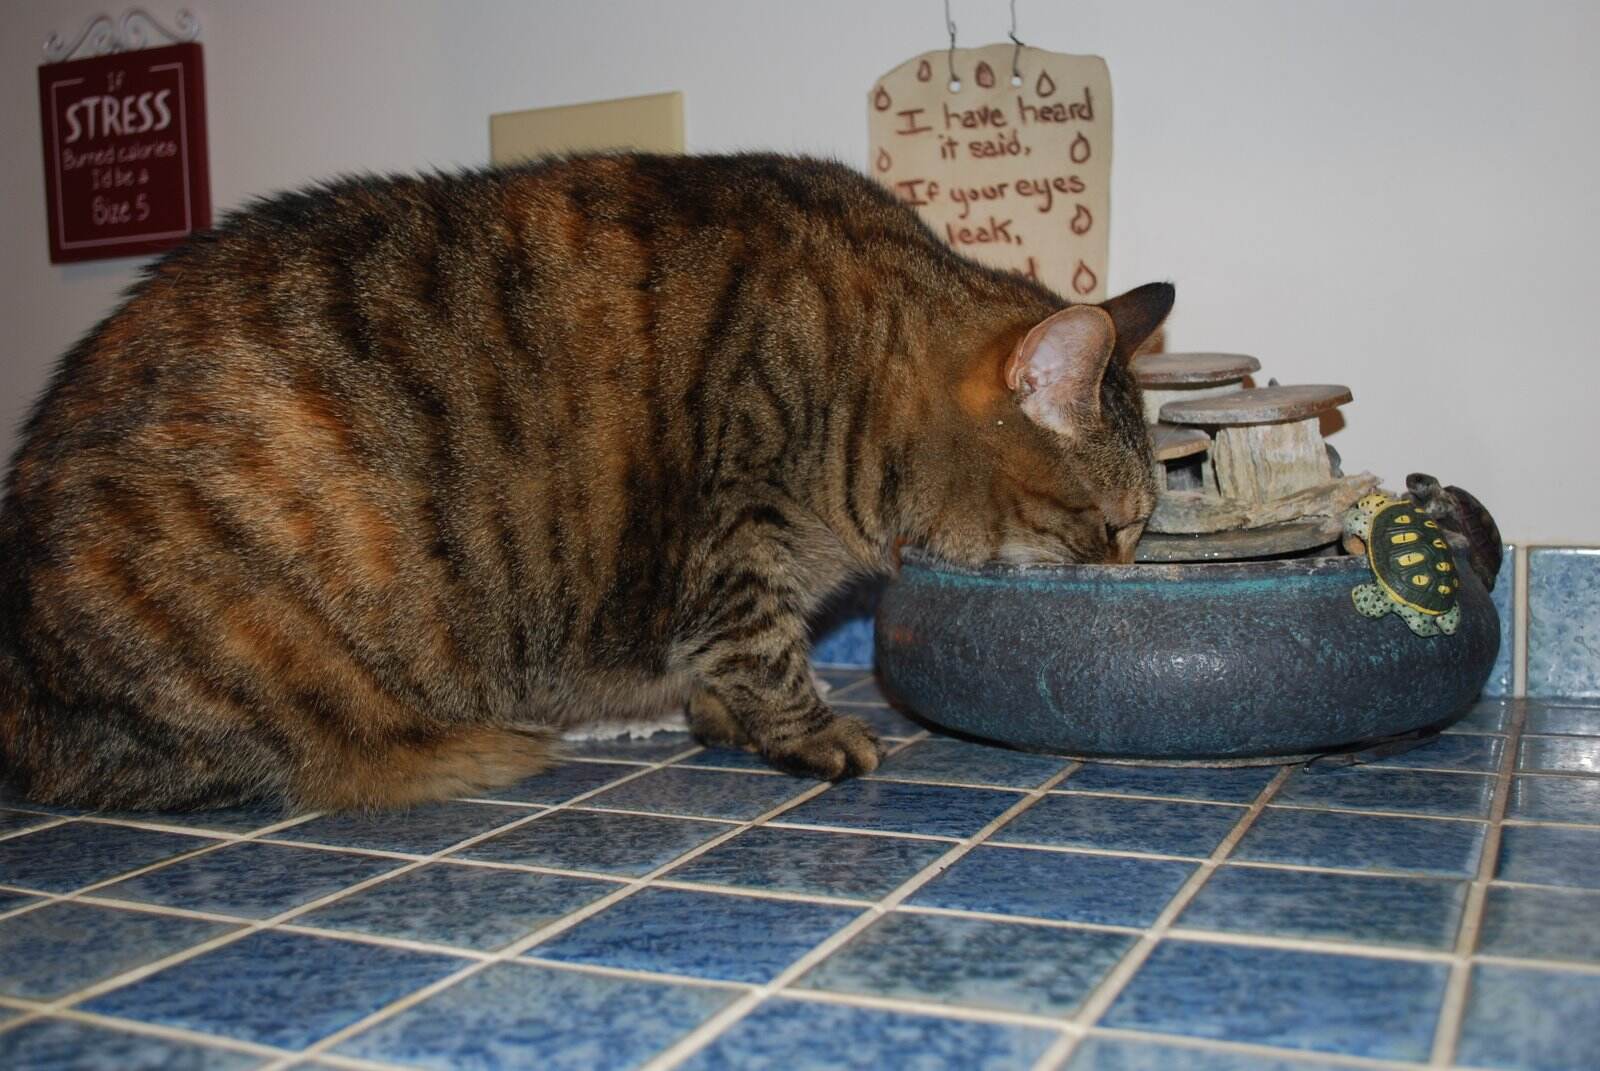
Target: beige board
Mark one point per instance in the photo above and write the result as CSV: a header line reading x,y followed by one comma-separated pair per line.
x,y
642,124
1016,176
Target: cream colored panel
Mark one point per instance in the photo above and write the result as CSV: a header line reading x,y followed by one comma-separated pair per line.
x,y
645,124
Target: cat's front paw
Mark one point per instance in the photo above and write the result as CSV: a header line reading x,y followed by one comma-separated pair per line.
x,y
844,747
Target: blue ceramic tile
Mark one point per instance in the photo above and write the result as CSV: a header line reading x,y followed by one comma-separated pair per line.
x,y
1104,889
792,1035
1413,912
964,763
1363,842
842,628
1563,720
471,906
1007,966
276,988
16,821
1129,825
847,643
1530,1019
898,807
657,747
1105,1054
250,880
1504,597
1299,1000
1452,751
1556,799
562,783
422,830
66,857
1550,855
1238,784
884,720
702,793
627,844
1487,716
62,947
1367,788
64,1045
525,1015
1555,924
806,861
1563,622
1559,754
702,935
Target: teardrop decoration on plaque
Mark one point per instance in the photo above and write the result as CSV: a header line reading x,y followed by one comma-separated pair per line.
x,y
885,161
1080,151
984,76
1084,280
924,71
1082,220
1046,86
881,99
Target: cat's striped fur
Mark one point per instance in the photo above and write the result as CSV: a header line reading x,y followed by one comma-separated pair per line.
x,y
359,496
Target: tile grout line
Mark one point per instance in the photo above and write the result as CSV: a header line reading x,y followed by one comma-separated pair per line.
x,y
155,1030
52,820
1452,1007
531,940
922,1006
1291,1057
1117,978
719,1023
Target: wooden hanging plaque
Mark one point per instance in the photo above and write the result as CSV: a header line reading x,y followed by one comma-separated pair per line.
x,y
1014,175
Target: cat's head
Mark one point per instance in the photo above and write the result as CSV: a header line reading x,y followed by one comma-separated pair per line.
x,y
1056,466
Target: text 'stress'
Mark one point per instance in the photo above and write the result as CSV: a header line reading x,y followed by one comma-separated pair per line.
x,y
124,152
1014,172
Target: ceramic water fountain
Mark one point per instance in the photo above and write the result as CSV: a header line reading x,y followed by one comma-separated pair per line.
x,y
1244,631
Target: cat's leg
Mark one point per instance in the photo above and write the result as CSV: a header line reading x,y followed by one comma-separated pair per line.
x,y
712,724
789,725
750,654
454,762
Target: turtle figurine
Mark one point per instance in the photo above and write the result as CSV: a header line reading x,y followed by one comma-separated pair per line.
x,y
1413,571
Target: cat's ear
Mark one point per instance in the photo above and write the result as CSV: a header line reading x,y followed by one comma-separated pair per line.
x,y
1137,314
1057,367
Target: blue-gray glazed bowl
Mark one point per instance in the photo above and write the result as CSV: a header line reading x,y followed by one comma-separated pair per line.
x,y
1197,662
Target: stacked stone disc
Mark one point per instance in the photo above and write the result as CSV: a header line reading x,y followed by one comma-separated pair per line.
x,y
1243,471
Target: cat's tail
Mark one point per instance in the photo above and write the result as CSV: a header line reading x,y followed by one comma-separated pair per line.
x,y
468,760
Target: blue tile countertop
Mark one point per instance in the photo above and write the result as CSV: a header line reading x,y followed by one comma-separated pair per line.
x,y
654,905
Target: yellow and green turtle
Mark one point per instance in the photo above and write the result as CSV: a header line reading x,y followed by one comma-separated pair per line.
x,y
1414,574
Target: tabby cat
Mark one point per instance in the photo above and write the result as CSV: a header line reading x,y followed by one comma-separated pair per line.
x,y
361,498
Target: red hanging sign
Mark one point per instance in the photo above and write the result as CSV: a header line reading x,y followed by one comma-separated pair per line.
x,y
124,152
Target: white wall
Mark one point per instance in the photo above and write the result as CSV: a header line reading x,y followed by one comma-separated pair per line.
x,y
1394,195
